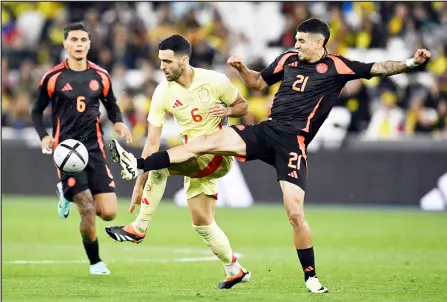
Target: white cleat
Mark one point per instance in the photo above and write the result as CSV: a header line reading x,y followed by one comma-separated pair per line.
x,y
127,160
99,268
63,206
314,286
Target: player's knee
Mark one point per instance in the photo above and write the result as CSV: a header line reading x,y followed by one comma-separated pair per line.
x,y
201,218
87,210
297,218
108,214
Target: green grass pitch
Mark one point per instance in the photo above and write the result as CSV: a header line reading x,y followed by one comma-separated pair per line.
x,y
363,254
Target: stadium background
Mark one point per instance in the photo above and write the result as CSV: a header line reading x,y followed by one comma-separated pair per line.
x,y
384,124
384,144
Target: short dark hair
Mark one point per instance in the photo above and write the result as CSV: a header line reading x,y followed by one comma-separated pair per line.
x,y
75,26
315,26
177,43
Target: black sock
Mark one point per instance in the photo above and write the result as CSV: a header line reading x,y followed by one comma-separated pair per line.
x,y
157,161
92,250
307,260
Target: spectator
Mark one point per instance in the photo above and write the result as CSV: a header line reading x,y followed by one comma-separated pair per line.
x,y
386,120
126,45
440,125
419,118
19,109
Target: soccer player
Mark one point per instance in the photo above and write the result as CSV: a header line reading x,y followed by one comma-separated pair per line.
x,y
201,101
311,81
74,88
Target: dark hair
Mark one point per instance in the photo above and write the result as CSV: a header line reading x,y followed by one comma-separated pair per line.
x,y
75,26
315,26
177,43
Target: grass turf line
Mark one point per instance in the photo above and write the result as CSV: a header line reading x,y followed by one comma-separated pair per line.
x,y
362,255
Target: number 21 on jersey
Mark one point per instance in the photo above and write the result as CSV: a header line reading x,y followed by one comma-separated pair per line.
x,y
300,84
294,160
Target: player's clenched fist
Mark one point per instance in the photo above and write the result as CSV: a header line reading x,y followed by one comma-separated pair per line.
x,y
47,142
235,62
421,55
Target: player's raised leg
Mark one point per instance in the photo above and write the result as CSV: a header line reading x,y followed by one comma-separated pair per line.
x,y
87,210
293,197
149,197
224,142
202,208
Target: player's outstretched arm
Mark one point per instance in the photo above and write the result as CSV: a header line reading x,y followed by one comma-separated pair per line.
x,y
252,79
389,68
152,145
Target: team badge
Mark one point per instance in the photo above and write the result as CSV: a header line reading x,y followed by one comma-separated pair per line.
x,y
322,68
94,85
204,95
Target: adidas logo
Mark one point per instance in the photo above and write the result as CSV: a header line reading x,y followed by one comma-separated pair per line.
x,y
293,174
177,104
67,87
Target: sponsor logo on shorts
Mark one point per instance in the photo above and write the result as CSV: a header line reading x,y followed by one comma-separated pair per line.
x,y
147,187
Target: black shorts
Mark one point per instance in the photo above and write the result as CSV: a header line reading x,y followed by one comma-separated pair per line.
x,y
96,177
284,151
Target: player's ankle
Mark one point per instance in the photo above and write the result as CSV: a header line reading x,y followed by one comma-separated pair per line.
x,y
140,163
140,226
232,269
156,161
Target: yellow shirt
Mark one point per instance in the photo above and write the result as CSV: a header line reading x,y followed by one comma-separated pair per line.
x,y
190,106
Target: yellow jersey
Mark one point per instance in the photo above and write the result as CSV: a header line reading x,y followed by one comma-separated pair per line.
x,y
190,106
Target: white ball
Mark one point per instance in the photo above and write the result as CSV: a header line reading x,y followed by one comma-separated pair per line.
x,y
70,156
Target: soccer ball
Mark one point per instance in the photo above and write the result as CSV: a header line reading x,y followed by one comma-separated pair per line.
x,y
70,156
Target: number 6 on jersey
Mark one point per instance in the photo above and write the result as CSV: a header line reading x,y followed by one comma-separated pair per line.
x,y
80,105
196,117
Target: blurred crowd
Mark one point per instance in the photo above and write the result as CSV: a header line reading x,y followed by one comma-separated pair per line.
x,y
125,36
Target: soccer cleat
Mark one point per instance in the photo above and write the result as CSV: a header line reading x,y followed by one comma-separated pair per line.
x,y
243,276
314,286
99,268
63,206
125,233
127,161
